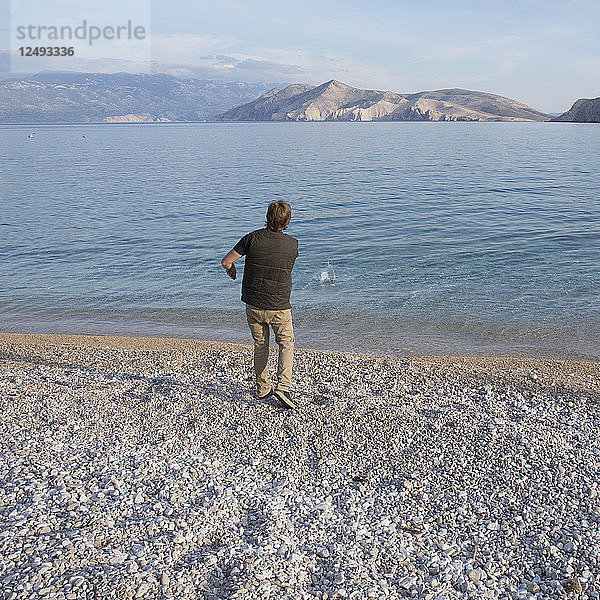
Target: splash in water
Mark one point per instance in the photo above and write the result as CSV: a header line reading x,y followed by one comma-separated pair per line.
x,y
328,275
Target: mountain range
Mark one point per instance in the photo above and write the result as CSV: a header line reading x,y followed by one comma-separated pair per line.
x,y
336,101
67,97
70,97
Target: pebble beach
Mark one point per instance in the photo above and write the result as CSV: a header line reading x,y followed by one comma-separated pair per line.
x,y
141,468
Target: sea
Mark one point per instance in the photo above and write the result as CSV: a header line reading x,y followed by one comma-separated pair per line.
x,y
415,239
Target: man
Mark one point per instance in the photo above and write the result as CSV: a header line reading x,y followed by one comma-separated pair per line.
x,y
266,288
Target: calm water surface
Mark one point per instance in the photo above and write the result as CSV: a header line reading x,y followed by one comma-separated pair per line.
x,y
441,238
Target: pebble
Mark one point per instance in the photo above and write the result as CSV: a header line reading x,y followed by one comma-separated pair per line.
x,y
142,590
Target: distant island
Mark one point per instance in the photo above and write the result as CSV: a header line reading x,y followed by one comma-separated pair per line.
x,y
585,110
336,101
71,97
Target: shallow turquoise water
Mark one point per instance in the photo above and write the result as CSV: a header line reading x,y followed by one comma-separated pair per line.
x,y
444,237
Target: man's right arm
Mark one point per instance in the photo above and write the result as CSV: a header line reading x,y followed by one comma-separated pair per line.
x,y
227,263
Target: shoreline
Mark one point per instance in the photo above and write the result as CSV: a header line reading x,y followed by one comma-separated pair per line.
x,y
396,343
144,468
584,374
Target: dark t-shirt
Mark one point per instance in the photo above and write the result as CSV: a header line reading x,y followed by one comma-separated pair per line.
x,y
270,257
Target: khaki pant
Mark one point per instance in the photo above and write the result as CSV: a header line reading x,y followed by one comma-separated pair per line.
x,y
281,322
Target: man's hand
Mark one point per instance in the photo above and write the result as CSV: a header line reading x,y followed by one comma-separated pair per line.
x,y
231,271
228,265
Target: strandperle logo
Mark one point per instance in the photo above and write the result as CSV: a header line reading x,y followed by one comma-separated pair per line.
x,y
91,33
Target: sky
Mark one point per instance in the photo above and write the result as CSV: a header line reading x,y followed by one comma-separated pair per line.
x,y
545,53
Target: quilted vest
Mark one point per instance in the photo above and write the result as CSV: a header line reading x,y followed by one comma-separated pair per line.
x,y
267,281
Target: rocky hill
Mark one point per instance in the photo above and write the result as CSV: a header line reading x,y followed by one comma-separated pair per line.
x,y
335,101
583,111
67,97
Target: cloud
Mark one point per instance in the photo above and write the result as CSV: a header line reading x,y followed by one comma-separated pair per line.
x,y
210,57
301,65
230,68
187,47
83,65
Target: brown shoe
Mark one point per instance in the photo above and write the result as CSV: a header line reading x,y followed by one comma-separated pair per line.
x,y
285,399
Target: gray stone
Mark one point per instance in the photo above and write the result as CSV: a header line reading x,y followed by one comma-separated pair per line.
x,y
142,590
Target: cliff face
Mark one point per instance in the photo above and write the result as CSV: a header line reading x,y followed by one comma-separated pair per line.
x,y
335,101
120,97
583,111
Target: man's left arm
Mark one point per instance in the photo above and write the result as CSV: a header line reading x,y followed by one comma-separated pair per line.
x,y
227,263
